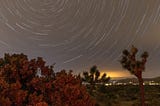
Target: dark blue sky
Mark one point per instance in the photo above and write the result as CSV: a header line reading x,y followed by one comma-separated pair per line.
x,y
77,34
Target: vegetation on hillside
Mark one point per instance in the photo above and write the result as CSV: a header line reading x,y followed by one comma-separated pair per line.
x,y
25,82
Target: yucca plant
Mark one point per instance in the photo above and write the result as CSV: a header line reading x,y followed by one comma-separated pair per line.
x,y
93,77
135,67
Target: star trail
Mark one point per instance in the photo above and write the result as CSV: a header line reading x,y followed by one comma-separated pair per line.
x,y
76,34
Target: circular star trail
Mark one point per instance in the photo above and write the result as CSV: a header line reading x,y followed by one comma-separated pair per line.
x,y
77,34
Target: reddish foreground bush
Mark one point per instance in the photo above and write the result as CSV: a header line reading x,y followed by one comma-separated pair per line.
x,y
21,86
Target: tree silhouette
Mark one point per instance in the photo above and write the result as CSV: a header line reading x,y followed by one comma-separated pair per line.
x,y
93,77
135,67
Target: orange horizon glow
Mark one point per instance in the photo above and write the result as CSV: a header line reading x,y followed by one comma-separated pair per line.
x,y
116,73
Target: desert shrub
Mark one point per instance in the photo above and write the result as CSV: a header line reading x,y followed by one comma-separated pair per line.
x,y
25,82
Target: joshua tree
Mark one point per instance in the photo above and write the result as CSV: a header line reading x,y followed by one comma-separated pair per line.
x,y
135,67
93,77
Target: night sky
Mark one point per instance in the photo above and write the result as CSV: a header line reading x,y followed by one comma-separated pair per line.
x,y
76,34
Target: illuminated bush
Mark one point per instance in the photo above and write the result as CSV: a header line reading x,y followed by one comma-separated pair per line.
x,y
21,85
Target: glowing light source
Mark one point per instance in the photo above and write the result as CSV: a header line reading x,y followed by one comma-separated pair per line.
x,y
116,73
